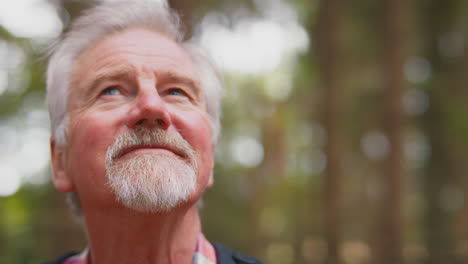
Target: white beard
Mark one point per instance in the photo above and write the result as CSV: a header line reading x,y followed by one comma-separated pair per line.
x,y
151,183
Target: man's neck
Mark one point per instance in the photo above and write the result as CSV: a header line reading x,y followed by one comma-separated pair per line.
x,y
127,237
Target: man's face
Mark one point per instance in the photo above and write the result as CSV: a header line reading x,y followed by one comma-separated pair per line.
x,y
142,88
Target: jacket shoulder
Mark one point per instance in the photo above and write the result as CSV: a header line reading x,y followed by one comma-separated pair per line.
x,y
228,256
61,259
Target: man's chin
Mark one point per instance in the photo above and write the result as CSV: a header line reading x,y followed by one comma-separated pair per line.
x,y
148,208
152,183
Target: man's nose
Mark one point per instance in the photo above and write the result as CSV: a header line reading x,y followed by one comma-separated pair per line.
x,y
149,110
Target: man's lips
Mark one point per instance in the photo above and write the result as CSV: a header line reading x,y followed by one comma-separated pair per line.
x,y
149,147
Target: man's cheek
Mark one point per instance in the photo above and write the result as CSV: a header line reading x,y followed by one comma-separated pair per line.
x,y
197,129
89,144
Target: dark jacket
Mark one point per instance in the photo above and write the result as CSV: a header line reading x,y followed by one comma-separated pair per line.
x,y
228,256
224,256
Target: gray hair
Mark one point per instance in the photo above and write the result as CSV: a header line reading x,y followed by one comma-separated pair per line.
x,y
109,18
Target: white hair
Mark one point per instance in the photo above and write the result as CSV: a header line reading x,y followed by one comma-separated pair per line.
x,y
151,183
101,21
148,183
108,18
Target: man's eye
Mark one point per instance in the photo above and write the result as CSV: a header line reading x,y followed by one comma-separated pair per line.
x,y
111,91
176,91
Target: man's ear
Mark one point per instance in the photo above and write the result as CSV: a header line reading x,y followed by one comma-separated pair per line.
x,y
62,180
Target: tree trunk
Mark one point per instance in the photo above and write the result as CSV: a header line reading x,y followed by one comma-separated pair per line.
x,y
389,244
328,53
272,169
185,9
439,228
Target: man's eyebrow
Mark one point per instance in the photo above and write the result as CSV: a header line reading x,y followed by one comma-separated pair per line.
x,y
117,73
173,77
129,73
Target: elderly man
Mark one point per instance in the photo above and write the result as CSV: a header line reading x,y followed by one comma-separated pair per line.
x,y
135,115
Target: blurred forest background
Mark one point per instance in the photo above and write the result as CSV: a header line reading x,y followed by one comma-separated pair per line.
x,y
345,130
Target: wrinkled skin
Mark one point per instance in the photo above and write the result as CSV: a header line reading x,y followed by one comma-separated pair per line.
x,y
134,78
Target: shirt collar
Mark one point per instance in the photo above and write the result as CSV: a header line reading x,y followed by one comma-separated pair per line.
x,y
204,254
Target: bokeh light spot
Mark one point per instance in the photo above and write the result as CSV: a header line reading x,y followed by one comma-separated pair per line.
x,y
10,181
375,145
30,18
247,151
417,70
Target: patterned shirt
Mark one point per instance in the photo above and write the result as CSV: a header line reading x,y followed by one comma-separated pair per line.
x,y
204,254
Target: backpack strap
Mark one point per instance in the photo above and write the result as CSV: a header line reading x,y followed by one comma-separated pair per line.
x,y
228,256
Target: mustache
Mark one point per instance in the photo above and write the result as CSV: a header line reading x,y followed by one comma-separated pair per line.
x,y
155,137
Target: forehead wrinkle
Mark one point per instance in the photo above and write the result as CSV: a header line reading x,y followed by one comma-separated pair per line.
x,y
176,77
121,71
116,63
121,53
100,62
